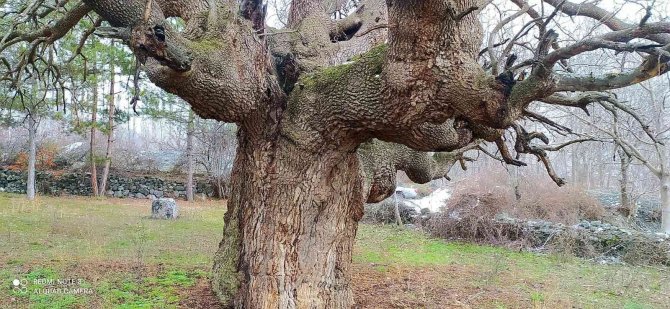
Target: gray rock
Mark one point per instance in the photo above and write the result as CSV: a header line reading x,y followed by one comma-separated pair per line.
x,y
164,208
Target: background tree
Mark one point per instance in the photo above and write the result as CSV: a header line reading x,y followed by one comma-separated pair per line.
x,y
179,115
639,137
28,103
111,109
329,108
91,154
190,160
215,153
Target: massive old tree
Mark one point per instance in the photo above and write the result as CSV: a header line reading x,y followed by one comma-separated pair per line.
x,y
329,109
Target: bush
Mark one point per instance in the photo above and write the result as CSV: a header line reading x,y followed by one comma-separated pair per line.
x,y
484,208
45,159
470,217
571,243
544,200
469,213
647,252
384,212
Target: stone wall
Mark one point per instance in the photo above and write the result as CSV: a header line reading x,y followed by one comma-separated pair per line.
x,y
596,240
80,184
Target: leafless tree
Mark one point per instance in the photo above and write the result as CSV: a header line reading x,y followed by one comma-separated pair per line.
x,y
190,160
215,152
646,144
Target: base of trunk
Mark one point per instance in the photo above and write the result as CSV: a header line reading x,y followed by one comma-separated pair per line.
x,y
290,228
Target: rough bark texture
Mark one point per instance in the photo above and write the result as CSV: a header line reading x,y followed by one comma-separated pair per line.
x,y
290,227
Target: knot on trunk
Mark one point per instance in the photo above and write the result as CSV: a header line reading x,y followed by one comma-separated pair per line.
x,y
152,41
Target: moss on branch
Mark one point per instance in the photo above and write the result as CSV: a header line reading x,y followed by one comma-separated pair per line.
x,y
206,45
370,62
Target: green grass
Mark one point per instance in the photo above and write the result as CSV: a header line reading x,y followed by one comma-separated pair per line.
x,y
122,259
564,280
52,237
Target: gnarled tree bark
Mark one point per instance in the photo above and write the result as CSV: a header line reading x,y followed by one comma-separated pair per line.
x,y
290,226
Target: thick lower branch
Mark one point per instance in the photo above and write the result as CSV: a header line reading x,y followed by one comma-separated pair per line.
x,y
381,160
221,69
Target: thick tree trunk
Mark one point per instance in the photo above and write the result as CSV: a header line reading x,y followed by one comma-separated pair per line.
x,y
665,202
32,157
110,135
290,227
94,121
189,156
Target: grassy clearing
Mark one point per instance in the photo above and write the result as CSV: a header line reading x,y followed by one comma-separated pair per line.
x,y
127,259
480,276
111,255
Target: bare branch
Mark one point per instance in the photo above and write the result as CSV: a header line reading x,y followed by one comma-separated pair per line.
x,y
607,18
652,66
613,40
545,120
506,155
502,23
467,11
568,143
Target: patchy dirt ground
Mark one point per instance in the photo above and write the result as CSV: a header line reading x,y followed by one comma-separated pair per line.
x,y
200,296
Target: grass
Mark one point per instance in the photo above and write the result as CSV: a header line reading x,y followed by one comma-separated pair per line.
x,y
109,254
512,278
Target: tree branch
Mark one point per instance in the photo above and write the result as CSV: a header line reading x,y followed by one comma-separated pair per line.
x,y
381,160
50,33
607,18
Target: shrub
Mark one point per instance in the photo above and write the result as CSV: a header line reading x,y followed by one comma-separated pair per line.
x,y
45,159
478,199
470,211
647,252
544,200
471,217
384,212
571,243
